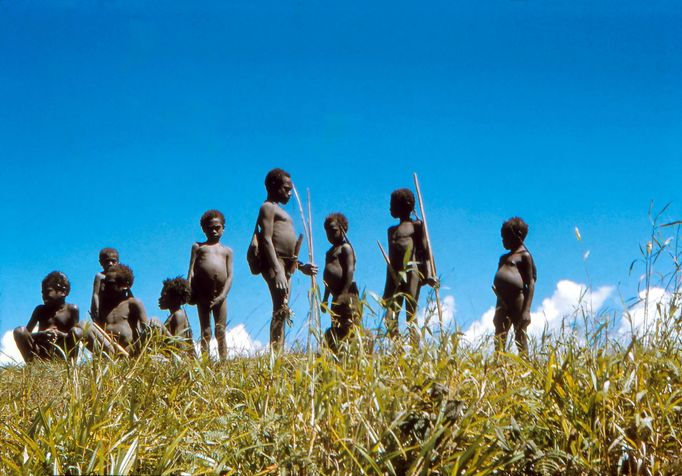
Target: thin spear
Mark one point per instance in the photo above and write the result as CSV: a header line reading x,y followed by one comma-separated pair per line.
x,y
430,250
308,236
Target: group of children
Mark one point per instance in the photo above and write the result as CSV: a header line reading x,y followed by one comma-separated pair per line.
x,y
120,324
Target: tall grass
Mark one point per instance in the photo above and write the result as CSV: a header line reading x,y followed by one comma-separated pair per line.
x,y
588,402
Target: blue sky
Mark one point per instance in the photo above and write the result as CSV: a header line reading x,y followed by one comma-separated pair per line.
x,y
122,121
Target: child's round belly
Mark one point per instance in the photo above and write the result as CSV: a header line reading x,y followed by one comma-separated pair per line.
x,y
508,284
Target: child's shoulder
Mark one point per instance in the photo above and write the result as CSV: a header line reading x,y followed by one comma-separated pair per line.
x,y
71,307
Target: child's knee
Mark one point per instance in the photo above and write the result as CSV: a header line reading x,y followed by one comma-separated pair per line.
x,y
21,333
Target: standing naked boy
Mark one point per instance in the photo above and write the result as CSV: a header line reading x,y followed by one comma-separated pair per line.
x,y
278,251
122,318
409,266
339,268
514,286
210,279
57,323
108,258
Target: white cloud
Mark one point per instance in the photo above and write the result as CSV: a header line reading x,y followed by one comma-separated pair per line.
x,y
647,312
239,343
569,299
448,307
9,353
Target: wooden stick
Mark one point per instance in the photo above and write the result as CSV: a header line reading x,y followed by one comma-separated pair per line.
x,y
311,258
430,250
391,271
110,340
307,231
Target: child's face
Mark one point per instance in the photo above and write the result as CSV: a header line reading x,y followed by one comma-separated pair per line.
x,y
53,294
509,240
112,287
397,209
284,190
164,300
334,232
214,229
108,261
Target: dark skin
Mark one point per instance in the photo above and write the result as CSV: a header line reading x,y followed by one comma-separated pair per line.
x,y
514,286
107,261
210,277
338,282
410,260
278,240
122,318
177,323
57,324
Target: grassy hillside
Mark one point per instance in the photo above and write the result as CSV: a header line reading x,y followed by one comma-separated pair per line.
x,y
446,409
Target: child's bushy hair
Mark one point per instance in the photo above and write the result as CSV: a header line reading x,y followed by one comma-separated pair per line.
x,y
339,218
210,215
517,227
177,288
274,179
122,274
104,252
404,198
57,280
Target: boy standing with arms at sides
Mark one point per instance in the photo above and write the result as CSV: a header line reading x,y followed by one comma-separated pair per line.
x,y
108,258
409,266
122,317
278,251
57,323
514,286
339,268
210,279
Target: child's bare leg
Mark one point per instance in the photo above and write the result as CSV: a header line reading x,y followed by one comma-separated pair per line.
x,y
205,323
220,316
98,343
502,325
280,312
24,341
521,336
411,300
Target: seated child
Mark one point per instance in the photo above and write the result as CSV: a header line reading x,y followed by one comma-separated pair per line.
x,y
514,286
174,295
409,265
58,332
108,258
346,308
210,279
122,317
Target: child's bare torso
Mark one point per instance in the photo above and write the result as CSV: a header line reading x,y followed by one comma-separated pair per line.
x,y
178,324
121,319
508,280
334,273
283,234
61,319
210,269
401,245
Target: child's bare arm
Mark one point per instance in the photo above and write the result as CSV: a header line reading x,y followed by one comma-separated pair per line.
x,y
34,319
94,302
228,281
425,254
526,270
347,261
192,259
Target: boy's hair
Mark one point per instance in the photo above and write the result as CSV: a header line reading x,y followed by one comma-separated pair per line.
x,y
210,215
57,280
404,198
178,288
339,218
104,252
517,227
122,274
274,179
